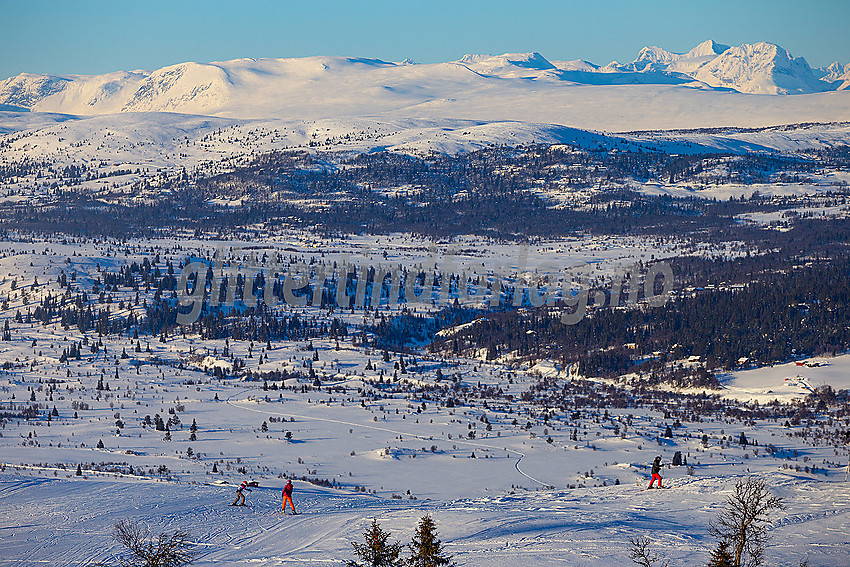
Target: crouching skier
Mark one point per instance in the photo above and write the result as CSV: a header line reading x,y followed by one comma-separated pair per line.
x,y
240,494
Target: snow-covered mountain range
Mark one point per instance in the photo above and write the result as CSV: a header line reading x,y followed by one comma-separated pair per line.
x,y
342,85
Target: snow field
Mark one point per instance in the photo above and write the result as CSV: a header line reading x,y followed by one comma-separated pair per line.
x,y
70,522
521,499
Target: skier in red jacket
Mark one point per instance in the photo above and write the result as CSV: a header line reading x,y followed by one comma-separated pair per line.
x,y
287,497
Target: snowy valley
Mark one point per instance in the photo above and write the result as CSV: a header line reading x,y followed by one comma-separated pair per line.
x,y
491,290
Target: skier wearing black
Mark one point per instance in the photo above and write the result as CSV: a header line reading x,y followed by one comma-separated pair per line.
x,y
656,472
240,494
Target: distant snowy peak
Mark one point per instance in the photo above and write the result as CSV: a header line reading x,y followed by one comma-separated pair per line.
x,y
531,60
81,94
708,48
508,65
760,68
652,58
26,90
831,73
187,86
576,65
836,75
652,55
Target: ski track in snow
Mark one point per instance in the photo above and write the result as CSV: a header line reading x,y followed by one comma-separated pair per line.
x,y
55,522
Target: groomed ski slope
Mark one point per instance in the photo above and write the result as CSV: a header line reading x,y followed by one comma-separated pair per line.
x,y
492,510
69,522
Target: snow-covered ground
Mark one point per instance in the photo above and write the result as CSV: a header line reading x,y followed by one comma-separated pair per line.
x,y
509,481
788,381
69,522
127,152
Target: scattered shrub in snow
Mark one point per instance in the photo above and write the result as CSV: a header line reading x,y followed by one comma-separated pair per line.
x,y
146,550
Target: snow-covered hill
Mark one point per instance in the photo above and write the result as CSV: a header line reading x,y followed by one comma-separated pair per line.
x,y
327,86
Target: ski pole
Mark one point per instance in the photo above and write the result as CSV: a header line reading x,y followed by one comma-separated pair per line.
x,y
847,472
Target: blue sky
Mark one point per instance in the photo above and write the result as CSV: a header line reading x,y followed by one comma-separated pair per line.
x,y
87,37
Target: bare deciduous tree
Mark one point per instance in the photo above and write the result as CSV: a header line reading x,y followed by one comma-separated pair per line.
x,y
744,523
163,550
641,554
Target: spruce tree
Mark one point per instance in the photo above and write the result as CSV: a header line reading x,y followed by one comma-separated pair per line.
x,y
426,550
721,557
376,551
